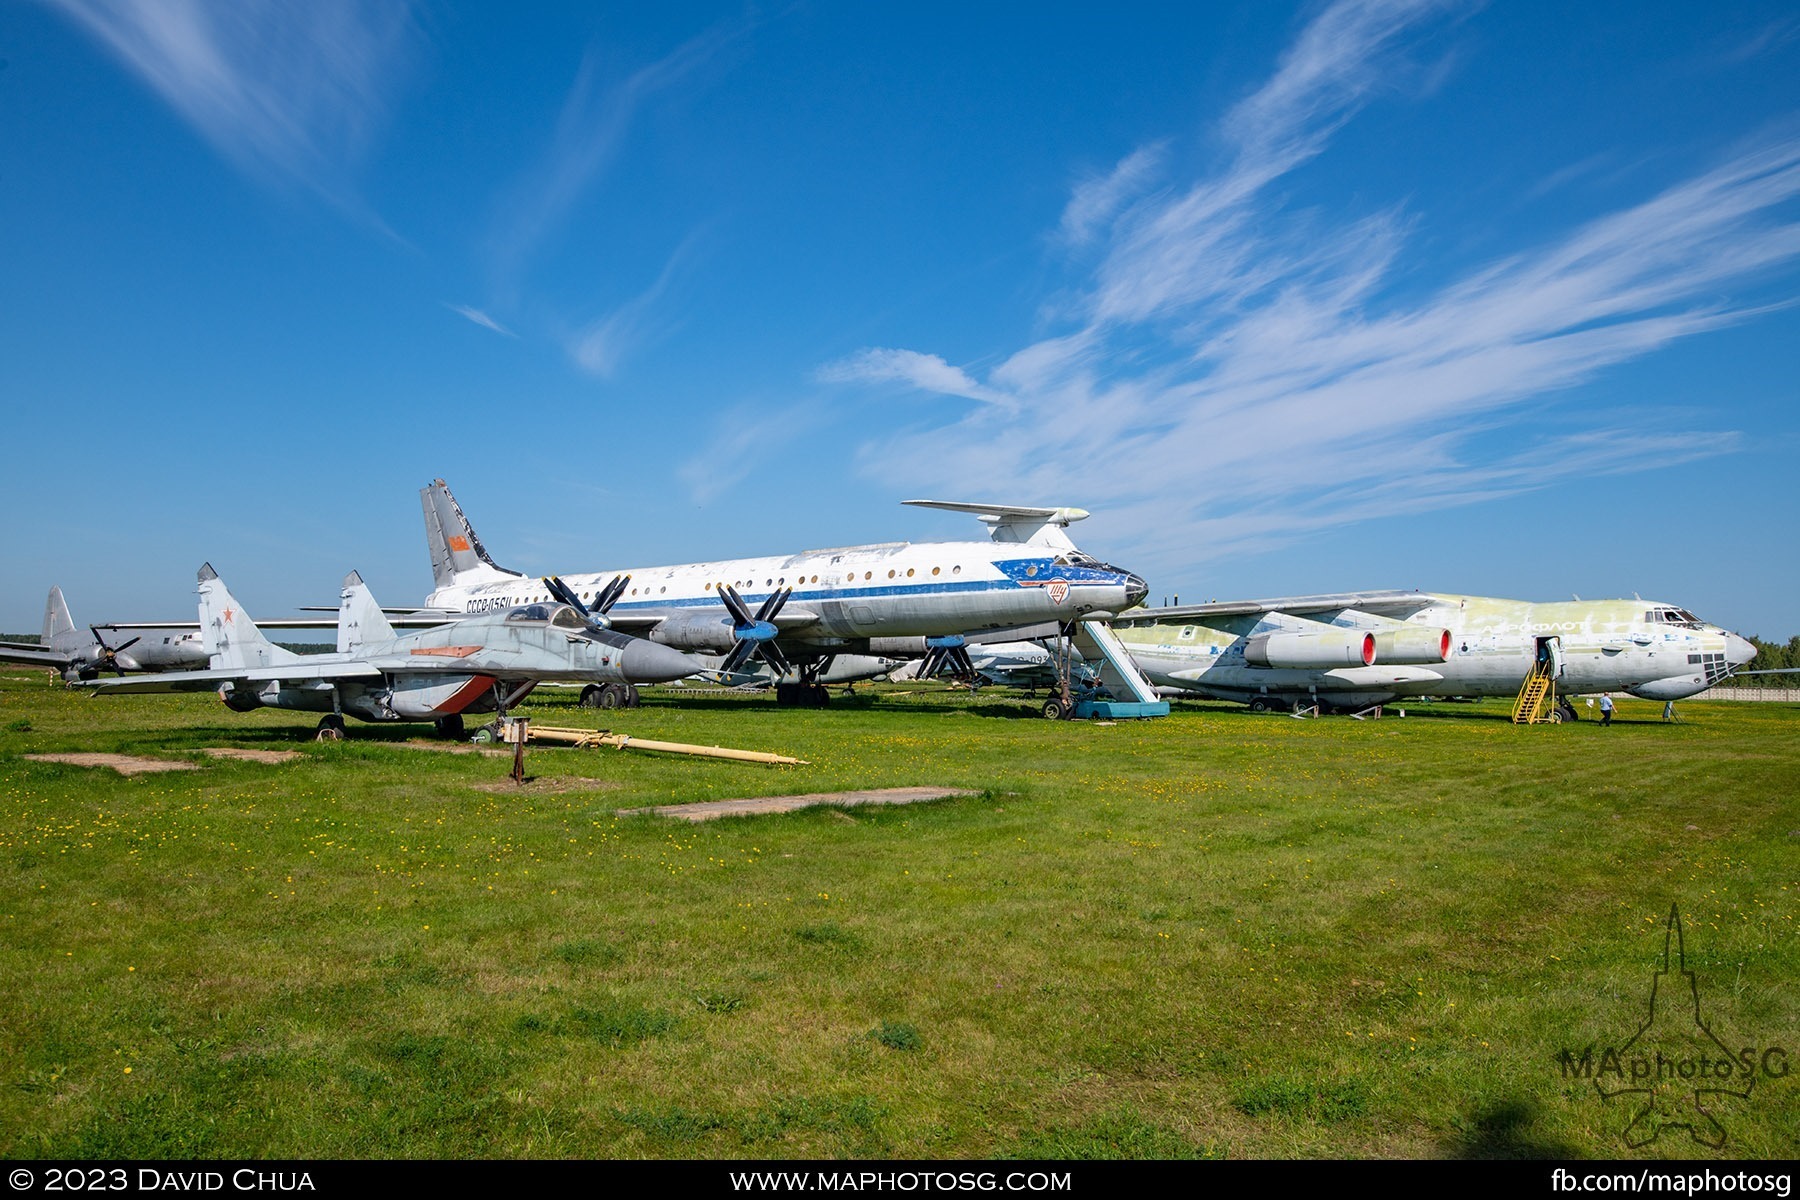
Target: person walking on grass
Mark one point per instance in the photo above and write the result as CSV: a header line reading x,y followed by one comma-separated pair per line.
x,y
1606,709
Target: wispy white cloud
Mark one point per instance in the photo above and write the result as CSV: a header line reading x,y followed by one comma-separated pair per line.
x,y
599,347
747,439
480,318
1234,375
596,118
927,372
292,93
1098,200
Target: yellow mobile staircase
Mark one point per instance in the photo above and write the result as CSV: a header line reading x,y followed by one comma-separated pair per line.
x,y
1537,697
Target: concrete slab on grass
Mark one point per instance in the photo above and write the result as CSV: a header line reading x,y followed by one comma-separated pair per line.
x,y
712,809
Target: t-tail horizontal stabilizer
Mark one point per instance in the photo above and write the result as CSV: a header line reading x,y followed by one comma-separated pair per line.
x,y
1015,523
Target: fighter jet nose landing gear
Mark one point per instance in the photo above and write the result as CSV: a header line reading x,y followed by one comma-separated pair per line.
x,y
331,728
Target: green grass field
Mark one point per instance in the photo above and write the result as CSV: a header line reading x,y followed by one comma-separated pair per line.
x,y
1212,935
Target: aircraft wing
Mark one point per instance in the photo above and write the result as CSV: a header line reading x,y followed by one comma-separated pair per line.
x,y
789,618
206,681
1381,603
413,619
34,654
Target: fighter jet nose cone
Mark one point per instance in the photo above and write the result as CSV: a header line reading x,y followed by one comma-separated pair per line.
x,y
1135,590
650,662
1738,651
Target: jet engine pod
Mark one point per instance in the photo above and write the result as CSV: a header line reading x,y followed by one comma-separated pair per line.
x,y
1412,647
1312,651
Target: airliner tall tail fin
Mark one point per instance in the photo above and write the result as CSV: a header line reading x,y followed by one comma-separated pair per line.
x,y
230,636
360,620
457,556
59,626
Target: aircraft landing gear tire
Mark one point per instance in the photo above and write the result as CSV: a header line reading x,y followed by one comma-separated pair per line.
x,y
1259,706
1056,710
450,726
487,734
331,728
609,695
802,695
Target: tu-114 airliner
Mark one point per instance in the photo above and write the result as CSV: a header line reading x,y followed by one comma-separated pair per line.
x,y
800,611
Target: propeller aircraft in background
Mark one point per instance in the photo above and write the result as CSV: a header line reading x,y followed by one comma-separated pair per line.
x,y
79,656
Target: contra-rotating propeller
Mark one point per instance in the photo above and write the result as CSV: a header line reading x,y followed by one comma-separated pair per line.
x,y
954,656
609,595
754,635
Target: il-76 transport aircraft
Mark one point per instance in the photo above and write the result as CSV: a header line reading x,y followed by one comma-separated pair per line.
x,y
1356,649
802,610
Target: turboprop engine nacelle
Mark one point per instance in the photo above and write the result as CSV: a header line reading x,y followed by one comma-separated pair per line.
x,y
711,632
1313,651
1412,647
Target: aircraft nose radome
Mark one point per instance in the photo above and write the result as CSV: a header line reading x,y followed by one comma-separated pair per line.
x,y
651,662
1135,590
1738,651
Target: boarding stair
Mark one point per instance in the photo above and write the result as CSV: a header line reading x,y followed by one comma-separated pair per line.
x,y
1133,694
1537,697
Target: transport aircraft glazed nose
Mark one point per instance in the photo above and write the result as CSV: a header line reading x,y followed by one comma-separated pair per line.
x,y
1738,651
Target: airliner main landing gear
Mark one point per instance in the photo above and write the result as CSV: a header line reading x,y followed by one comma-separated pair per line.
x,y
610,695
809,692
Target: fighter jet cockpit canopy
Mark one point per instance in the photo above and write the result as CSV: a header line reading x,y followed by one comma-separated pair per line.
x,y
557,616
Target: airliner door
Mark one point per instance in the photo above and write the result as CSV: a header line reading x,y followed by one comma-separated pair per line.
x,y
1549,654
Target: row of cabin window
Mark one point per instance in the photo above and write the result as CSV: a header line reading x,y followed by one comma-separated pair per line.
x,y
782,581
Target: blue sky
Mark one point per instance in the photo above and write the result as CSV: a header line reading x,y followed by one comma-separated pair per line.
x,y
1495,299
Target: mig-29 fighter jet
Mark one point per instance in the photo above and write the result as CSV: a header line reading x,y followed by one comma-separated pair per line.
x,y
482,664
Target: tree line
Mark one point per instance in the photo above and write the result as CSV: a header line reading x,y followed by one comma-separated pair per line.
x,y
1772,656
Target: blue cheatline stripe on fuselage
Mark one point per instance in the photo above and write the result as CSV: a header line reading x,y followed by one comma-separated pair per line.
x,y
844,594
1014,569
